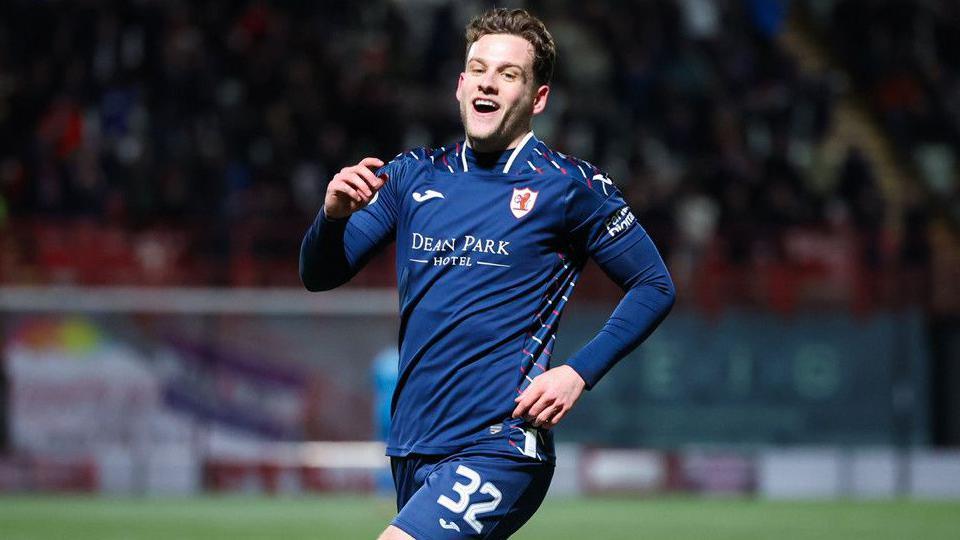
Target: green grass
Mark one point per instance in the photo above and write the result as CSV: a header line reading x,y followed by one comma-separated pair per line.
x,y
43,517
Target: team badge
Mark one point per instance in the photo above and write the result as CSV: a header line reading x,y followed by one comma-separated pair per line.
x,y
522,201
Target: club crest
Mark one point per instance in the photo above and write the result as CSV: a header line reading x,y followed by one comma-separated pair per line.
x,y
522,201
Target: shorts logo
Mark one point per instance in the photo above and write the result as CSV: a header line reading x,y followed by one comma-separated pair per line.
x,y
496,428
449,525
522,201
619,221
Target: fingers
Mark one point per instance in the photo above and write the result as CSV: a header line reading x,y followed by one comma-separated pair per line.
x,y
357,184
541,406
344,190
361,177
548,415
353,188
552,422
526,400
354,179
373,181
549,397
371,162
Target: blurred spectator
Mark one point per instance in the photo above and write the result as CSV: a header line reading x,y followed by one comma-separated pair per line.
x,y
905,55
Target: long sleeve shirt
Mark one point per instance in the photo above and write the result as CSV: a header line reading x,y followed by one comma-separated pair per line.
x,y
489,250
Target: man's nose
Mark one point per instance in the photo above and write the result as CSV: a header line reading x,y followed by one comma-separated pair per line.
x,y
488,83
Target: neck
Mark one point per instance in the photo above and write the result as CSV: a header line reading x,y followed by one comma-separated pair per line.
x,y
489,145
501,158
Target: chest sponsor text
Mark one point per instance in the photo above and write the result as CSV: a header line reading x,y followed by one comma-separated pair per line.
x,y
457,251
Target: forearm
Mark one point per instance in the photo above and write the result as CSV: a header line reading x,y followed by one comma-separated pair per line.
x,y
323,260
649,297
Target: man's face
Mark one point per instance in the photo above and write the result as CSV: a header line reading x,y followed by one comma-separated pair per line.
x,y
497,92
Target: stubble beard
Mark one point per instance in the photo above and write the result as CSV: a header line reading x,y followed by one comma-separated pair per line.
x,y
499,138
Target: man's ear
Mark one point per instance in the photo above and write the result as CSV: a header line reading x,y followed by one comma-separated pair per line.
x,y
540,98
459,92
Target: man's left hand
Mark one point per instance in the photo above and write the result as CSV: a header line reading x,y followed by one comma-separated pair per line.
x,y
548,398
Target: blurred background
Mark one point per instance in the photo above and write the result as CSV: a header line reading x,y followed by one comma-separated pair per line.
x,y
796,162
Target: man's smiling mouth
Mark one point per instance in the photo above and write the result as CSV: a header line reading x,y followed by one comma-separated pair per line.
x,y
485,106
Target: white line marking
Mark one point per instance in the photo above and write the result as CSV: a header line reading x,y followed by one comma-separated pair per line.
x,y
493,264
535,338
419,261
513,155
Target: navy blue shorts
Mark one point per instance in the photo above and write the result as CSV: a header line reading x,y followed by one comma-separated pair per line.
x,y
474,493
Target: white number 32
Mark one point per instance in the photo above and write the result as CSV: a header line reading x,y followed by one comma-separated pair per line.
x,y
464,491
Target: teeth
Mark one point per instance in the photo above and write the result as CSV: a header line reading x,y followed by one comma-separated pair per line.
x,y
485,102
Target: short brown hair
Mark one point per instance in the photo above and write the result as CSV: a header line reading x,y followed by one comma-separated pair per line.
x,y
518,22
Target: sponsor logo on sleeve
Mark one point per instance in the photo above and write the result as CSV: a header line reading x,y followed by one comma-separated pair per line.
x,y
620,220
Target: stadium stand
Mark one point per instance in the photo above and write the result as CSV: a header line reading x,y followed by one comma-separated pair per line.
x,y
161,143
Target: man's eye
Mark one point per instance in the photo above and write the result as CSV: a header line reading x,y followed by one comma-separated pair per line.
x,y
509,76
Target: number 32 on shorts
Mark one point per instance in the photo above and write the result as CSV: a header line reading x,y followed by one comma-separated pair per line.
x,y
462,504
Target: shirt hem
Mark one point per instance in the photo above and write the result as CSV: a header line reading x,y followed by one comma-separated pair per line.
x,y
429,450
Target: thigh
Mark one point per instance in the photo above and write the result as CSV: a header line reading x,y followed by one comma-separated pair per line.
x,y
409,474
475,496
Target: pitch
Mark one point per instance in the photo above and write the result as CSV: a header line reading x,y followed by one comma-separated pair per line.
x,y
338,517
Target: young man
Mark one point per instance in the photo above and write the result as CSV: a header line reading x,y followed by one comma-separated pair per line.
x,y
492,233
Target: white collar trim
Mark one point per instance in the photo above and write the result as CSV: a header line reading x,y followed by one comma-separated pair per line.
x,y
523,142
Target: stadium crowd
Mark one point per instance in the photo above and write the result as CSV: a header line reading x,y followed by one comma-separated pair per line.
x,y
221,114
905,57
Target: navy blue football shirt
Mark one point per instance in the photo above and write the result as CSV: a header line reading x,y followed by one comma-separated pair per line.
x,y
489,249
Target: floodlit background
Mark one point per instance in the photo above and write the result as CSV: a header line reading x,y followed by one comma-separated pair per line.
x,y
796,161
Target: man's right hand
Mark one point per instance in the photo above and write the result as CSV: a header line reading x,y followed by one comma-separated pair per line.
x,y
353,188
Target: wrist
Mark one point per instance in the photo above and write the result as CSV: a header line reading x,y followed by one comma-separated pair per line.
x,y
326,215
583,372
575,376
